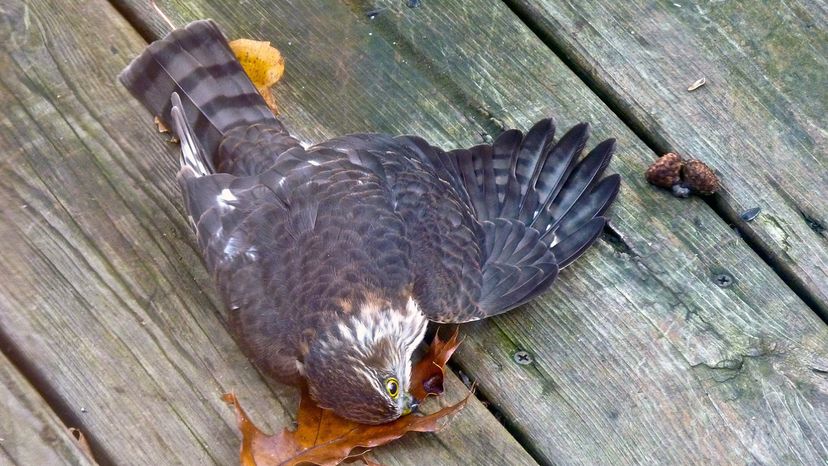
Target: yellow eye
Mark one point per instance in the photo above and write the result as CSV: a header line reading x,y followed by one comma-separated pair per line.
x,y
392,387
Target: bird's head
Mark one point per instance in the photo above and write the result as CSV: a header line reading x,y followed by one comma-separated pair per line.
x,y
360,366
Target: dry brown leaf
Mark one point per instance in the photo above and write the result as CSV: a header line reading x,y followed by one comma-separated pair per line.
x,y
263,64
323,438
427,375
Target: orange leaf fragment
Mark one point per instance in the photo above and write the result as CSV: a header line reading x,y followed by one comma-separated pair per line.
x,y
427,374
82,443
263,64
164,129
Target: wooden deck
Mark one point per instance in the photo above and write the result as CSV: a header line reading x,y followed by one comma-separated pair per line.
x,y
109,323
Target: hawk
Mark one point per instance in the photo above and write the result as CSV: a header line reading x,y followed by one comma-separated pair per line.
x,y
332,259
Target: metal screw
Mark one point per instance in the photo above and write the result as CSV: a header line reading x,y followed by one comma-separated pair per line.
x,y
723,280
522,357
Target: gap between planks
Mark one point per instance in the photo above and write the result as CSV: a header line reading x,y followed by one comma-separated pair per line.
x,y
40,382
659,146
513,429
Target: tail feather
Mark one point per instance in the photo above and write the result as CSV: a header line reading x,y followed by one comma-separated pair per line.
x,y
196,63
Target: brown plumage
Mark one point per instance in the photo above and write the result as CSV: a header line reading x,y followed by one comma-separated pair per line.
x,y
332,259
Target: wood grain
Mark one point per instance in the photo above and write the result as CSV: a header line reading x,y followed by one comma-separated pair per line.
x,y
639,355
30,432
103,293
759,120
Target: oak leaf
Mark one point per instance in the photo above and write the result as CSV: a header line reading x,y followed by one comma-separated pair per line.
x,y
323,438
263,64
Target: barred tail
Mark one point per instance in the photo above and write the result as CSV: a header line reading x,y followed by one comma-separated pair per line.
x,y
216,95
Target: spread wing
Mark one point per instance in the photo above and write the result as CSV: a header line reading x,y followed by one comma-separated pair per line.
x,y
492,225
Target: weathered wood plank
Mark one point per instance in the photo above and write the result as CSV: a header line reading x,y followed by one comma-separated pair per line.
x,y
30,432
103,291
638,355
759,120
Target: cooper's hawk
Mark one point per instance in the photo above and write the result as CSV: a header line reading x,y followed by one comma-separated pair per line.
x,y
333,258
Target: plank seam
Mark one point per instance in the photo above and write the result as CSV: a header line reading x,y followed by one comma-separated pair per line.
x,y
520,437
133,20
40,382
659,145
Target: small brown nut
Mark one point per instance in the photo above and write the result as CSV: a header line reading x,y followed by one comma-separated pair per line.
x,y
665,171
699,177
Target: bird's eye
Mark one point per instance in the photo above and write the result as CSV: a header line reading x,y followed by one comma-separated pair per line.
x,y
392,387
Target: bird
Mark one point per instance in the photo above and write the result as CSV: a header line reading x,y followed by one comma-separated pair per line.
x,y
332,258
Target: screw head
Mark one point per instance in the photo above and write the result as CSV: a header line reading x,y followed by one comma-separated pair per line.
x,y
723,280
522,357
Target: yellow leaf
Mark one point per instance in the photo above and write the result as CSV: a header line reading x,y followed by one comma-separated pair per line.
x,y
263,64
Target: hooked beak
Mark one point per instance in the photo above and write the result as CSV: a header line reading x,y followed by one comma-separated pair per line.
x,y
410,404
